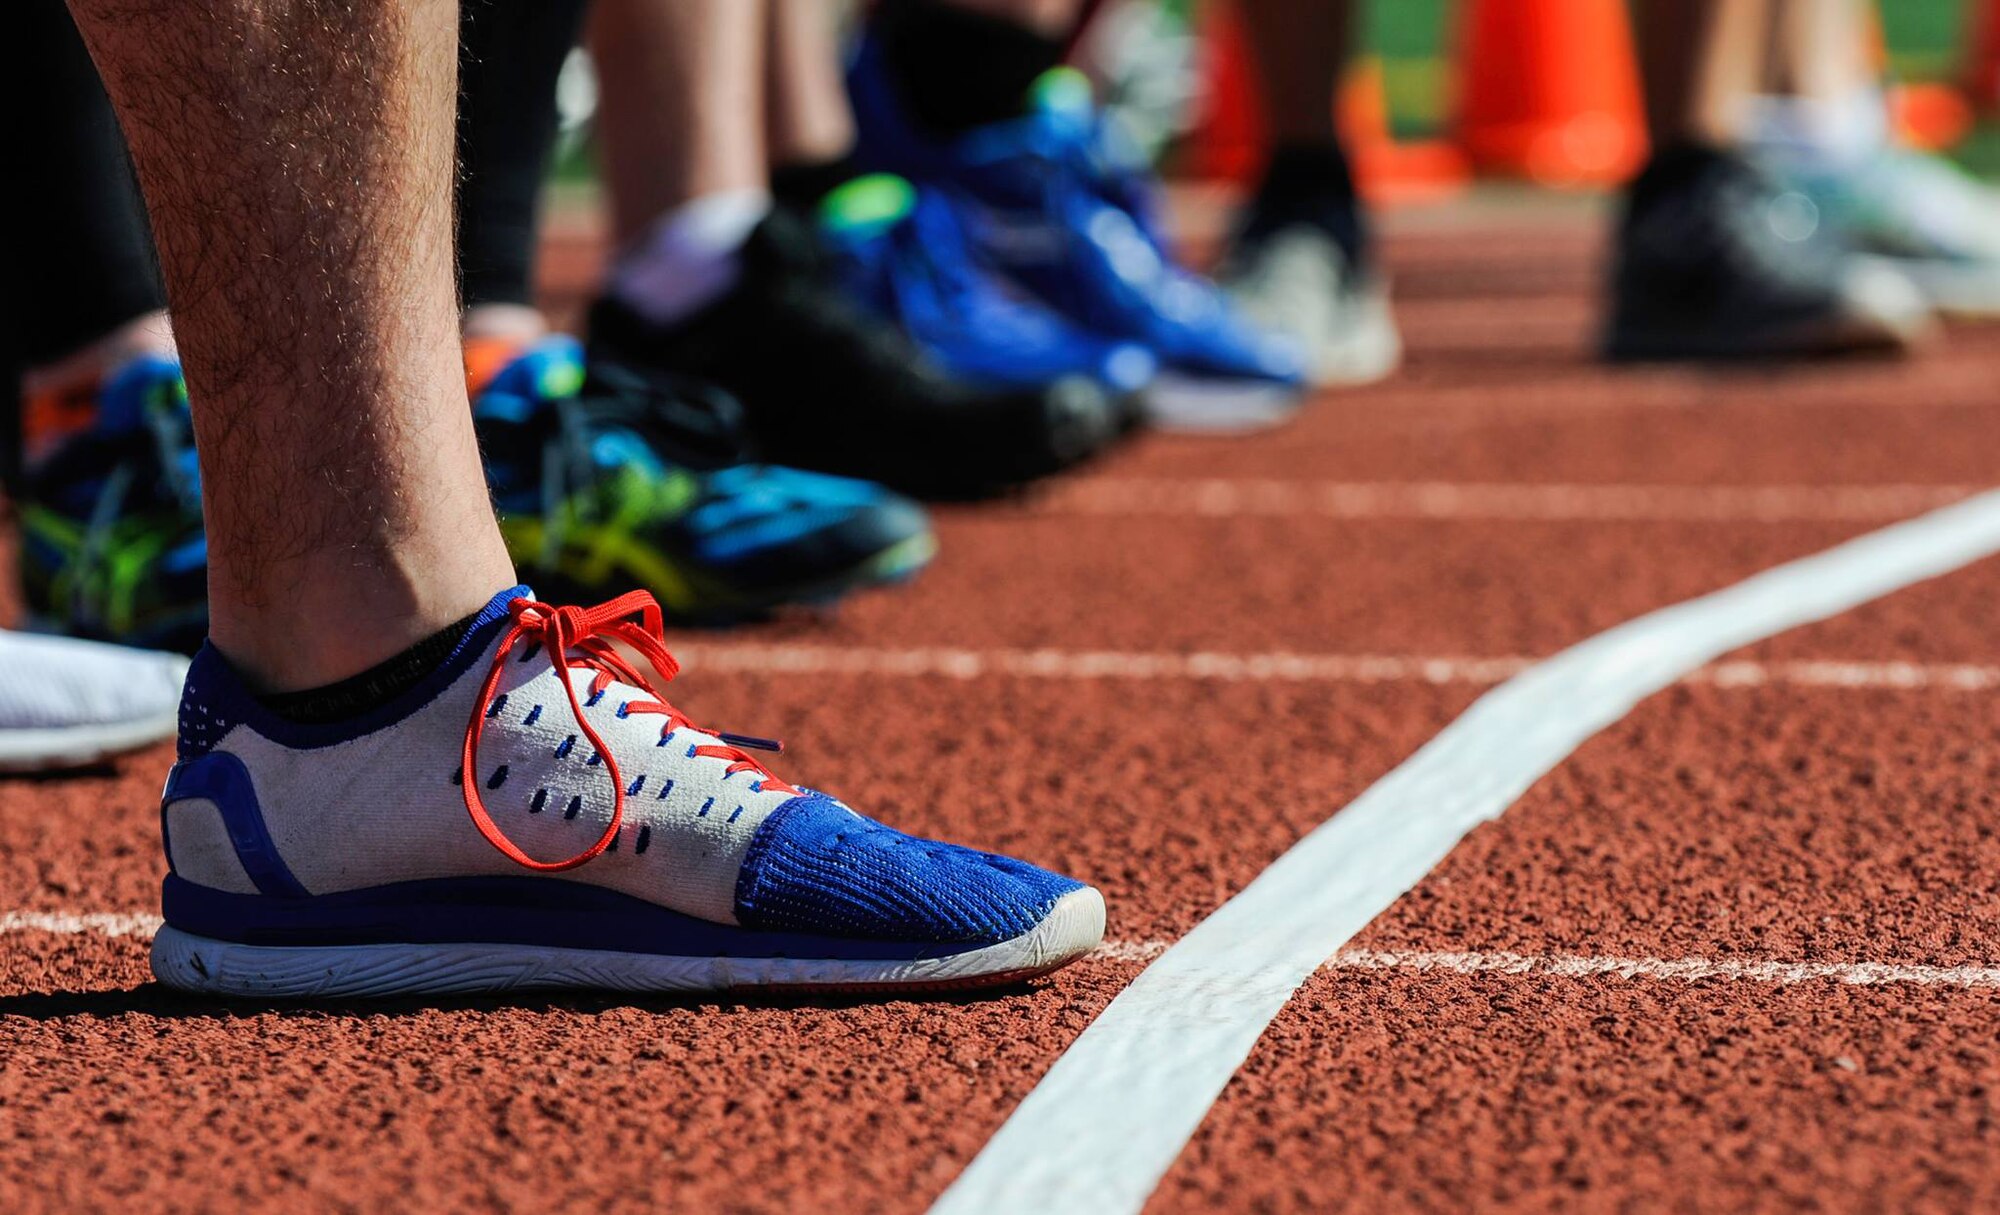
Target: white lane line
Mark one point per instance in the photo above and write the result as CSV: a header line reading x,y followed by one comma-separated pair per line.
x,y
109,924
1572,966
1452,500
1286,667
1587,966
1109,1118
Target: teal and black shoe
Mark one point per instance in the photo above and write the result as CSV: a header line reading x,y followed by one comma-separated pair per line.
x,y
110,514
609,480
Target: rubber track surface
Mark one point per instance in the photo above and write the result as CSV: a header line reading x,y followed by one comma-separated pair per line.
x,y
1761,826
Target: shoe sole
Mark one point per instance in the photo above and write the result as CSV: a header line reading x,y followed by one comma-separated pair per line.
x,y
204,966
53,750
1365,354
1835,336
1186,404
1959,289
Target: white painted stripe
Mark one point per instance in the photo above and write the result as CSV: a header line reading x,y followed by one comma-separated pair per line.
x,y
1107,1121
1575,966
1283,666
1449,500
109,924
1585,966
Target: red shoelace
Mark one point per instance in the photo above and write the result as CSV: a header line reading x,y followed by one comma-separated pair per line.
x,y
584,638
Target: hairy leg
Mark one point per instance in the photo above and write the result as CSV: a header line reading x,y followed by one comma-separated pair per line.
x,y
296,161
681,111
1700,60
1302,48
806,115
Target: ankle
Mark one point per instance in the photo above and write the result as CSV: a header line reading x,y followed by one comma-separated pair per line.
x,y
311,639
688,257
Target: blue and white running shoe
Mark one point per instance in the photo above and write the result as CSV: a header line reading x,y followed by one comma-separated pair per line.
x,y
904,252
536,815
1059,203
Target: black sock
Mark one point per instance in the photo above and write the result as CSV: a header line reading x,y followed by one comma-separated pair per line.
x,y
374,687
956,69
802,184
1310,184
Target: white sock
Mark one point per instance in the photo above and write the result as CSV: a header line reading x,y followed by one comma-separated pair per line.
x,y
688,257
1831,133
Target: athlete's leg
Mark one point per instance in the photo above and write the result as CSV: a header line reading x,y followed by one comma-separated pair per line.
x,y
1818,49
1700,61
510,54
80,266
296,159
807,120
682,113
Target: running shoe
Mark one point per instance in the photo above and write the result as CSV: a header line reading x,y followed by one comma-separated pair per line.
x,y
1300,264
112,545
825,384
606,480
1064,206
904,252
1716,260
1923,216
536,815
66,703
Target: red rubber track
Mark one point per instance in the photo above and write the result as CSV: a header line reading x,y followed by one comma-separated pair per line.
x,y
1777,824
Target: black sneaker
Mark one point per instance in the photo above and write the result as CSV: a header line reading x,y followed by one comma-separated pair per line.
x,y
826,385
1715,260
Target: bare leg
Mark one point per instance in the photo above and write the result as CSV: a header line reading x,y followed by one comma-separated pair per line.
x,y
1302,47
682,111
1818,50
806,115
296,160
1700,60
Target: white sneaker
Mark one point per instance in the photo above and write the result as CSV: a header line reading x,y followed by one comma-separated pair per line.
x,y
65,703
534,814
1298,282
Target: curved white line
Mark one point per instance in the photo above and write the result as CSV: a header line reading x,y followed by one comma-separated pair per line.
x,y
1107,1121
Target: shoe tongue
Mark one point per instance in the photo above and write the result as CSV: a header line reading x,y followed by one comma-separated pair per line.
x,y
511,382
866,208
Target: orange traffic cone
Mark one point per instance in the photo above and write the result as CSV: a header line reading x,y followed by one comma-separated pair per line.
x,y
1229,141
1387,170
1549,91
1928,116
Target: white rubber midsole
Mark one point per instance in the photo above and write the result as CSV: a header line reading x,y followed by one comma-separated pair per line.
x,y
1202,405
1071,929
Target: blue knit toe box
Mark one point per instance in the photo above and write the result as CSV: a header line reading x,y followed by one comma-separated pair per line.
x,y
817,867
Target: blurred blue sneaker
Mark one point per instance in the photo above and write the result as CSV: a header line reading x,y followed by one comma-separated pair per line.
x,y
1058,201
536,814
112,545
904,252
